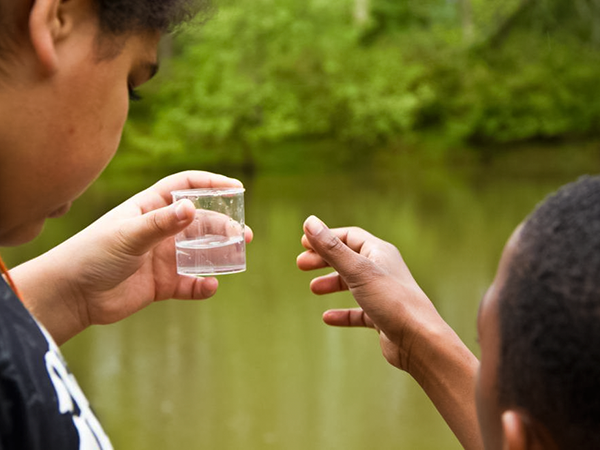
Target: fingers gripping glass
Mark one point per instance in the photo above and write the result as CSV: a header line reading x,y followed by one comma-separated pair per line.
x,y
214,243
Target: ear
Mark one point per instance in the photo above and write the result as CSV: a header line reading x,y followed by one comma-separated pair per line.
x,y
48,23
514,431
520,432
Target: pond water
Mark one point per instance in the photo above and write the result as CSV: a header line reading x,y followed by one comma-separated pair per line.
x,y
254,367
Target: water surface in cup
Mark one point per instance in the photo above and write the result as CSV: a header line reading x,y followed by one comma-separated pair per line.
x,y
211,255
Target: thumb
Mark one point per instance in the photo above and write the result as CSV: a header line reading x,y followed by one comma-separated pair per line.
x,y
349,264
146,231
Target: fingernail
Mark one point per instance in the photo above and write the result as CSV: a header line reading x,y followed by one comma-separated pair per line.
x,y
180,210
314,226
209,286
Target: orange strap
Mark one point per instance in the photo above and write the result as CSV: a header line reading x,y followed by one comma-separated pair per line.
x,y
7,277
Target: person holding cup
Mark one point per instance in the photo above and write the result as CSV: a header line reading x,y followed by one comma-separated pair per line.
x,y
67,72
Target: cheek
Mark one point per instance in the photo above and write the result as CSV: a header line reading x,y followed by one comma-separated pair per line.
x,y
480,403
106,129
488,411
90,142
113,119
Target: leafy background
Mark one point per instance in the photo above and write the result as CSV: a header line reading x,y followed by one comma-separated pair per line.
x,y
268,81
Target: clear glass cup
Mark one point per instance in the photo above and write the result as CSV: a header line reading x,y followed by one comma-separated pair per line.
x,y
214,243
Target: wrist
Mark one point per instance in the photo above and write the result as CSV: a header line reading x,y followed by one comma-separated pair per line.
x,y
439,353
50,298
446,370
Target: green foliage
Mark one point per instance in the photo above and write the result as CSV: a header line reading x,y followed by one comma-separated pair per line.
x,y
537,89
270,71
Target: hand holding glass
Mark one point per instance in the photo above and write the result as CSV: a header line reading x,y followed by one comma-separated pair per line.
x,y
214,243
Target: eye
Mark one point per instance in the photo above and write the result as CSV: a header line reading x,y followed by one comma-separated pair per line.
x,y
133,94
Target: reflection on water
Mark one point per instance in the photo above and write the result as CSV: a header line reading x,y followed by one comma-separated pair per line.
x,y
254,367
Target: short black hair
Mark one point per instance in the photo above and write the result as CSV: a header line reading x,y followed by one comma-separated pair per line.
x,y
549,314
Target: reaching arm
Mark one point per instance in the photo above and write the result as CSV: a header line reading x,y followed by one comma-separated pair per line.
x,y
412,334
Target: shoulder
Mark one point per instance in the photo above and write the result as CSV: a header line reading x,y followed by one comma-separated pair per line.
x,y
41,404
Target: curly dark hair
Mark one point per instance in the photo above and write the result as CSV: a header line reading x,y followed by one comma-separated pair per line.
x,y
117,17
550,317
125,16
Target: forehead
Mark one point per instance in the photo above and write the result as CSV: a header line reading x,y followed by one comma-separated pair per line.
x,y
490,302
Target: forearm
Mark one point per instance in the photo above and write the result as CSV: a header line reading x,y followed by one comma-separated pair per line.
x,y
45,292
447,371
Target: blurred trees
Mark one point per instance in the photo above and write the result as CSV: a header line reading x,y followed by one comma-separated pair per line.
x,y
371,73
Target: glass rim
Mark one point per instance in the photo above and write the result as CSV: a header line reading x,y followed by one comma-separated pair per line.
x,y
205,192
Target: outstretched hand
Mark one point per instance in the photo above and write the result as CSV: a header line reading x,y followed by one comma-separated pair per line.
x,y
119,264
374,272
412,335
